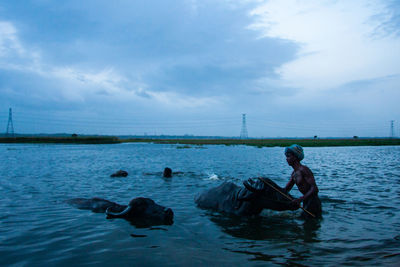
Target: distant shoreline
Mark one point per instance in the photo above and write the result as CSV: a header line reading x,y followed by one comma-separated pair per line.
x,y
275,142
61,140
265,142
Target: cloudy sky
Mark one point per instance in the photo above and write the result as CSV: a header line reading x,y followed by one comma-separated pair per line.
x,y
296,68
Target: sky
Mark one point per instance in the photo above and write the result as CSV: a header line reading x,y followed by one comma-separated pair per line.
x,y
296,68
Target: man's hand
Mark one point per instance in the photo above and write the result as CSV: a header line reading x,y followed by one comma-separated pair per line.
x,y
296,203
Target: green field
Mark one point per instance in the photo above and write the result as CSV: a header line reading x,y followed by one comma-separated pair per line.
x,y
277,142
250,142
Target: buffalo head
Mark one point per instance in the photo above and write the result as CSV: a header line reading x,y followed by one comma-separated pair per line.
x,y
144,210
267,194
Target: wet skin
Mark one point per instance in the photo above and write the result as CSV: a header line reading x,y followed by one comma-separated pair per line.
x,y
301,176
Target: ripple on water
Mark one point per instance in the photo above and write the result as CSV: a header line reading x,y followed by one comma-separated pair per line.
x,y
357,185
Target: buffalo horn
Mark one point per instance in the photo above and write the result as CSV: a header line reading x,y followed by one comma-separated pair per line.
x,y
118,214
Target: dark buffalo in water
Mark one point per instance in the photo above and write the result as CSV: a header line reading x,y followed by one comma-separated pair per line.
x,y
120,173
139,210
249,200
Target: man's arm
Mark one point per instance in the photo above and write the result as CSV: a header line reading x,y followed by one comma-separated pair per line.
x,y
308,176
289,185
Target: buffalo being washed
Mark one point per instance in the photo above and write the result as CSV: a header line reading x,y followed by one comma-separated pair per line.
x,y
139,210
249,200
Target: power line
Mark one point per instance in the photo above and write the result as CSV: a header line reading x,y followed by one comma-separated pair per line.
x,y
99,121
65,122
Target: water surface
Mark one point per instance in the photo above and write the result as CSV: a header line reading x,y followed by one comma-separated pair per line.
x,y
359,189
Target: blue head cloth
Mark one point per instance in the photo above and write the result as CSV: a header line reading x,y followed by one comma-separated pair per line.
x,y
296,150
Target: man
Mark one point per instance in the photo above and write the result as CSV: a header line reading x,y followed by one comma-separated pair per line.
x,y
303,177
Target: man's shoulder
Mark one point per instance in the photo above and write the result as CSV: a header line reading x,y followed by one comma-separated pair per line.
x,y
304,167
305,170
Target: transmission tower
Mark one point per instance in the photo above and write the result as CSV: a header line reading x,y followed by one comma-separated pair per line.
x,y
243,132
391,128
10,127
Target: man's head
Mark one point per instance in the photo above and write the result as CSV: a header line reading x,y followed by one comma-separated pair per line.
x,y
295,152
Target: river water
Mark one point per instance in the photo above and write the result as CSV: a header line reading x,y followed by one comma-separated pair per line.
x,y
359,190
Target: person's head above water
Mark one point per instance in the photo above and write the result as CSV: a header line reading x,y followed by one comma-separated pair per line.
x,y
167,172
296,150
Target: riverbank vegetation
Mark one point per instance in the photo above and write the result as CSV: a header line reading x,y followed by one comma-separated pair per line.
x,y
271,142
276,142
62,140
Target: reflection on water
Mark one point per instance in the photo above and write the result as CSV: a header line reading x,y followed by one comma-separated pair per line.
x,y
272,228
359,190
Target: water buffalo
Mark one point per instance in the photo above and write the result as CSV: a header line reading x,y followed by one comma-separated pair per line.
x,y
167,173
120,173
143,210
249,200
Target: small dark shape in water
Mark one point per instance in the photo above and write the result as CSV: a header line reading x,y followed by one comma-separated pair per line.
x,y
391,255
167,173
119,173
140,211
134,235
158,228
182,147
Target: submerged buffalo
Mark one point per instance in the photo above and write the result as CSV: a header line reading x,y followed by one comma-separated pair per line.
x,y
167,173
139,210
120,173
251,199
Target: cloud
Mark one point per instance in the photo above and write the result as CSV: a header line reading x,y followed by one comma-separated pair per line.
x,y
137,52
187,59
339,41
9,43
76,84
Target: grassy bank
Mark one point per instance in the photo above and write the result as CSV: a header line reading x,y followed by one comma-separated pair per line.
x,y
62,140
249,142
277,142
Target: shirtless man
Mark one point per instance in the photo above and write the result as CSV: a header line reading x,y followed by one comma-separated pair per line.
x,y
303,177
